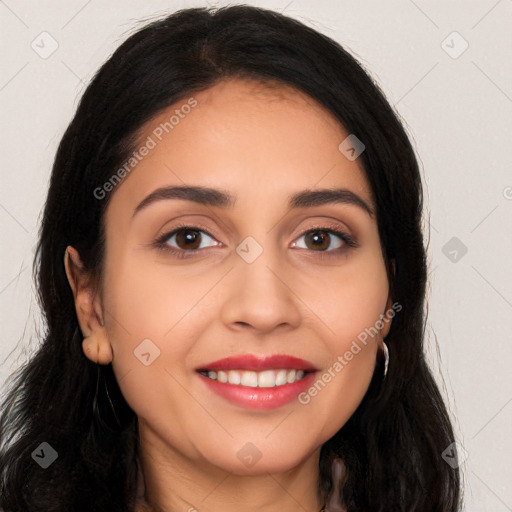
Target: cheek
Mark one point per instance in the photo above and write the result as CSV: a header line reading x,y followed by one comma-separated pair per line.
x,y
350,299
349,302
148,299
153,317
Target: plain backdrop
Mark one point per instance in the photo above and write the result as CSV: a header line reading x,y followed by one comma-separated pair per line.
x,y
445,66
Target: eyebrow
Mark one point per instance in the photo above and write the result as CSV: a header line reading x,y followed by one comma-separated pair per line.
x,y
222,199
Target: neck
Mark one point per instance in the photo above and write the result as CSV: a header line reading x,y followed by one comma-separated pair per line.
x,y
171,482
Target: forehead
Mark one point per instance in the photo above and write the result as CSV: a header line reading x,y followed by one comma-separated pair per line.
x,y
253,138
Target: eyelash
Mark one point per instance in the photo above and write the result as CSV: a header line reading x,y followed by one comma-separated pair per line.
x,y
160,242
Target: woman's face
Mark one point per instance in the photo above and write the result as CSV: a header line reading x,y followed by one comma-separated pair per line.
x,y
248,277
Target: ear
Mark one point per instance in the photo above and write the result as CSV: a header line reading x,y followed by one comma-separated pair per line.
x,y
88,309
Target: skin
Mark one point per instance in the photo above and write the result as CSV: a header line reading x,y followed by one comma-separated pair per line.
x,y
261,144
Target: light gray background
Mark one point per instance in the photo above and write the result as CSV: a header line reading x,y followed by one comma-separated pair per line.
x,y
458,112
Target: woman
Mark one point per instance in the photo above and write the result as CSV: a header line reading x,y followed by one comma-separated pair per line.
x,y
232,270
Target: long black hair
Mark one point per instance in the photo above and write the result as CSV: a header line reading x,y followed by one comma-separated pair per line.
x,y
392,445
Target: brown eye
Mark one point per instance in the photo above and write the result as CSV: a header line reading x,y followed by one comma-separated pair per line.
x,y
320,240
187,238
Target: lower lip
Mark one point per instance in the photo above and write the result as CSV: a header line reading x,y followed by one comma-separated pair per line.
x,y
259,398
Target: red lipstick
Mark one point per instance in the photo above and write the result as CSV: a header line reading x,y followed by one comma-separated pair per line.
x,y
259,363
255,382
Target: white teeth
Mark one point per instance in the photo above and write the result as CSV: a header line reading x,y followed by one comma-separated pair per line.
x,y
249,379
281,378
266,379
291,376
233,377
263,379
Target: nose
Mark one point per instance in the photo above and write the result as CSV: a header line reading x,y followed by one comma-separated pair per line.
x,y
259,296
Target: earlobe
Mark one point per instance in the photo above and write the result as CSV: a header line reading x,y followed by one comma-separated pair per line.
x,y
95,345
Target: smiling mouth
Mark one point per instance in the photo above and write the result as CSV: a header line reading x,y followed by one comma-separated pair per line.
x,y
262,379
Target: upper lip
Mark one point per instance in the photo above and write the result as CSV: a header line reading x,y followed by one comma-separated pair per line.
x,y
252,362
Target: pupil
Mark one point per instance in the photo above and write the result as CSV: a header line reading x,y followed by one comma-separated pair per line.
x,y
318,237
190,237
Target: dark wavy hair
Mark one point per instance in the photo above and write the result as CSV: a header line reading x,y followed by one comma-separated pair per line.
x,y
392,444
